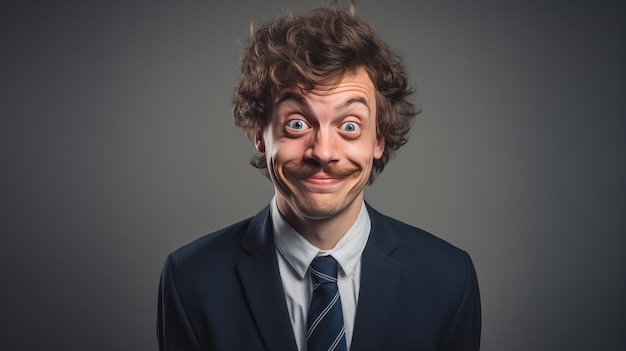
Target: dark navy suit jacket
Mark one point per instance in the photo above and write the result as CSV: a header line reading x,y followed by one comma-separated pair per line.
x,y
223,291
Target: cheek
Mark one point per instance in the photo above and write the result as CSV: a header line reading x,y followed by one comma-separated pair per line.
x,y
285,151
361,154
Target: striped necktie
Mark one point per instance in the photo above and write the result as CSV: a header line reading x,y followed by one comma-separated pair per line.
x,y
325,322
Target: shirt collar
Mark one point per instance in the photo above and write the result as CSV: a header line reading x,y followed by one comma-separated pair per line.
x,y
299,253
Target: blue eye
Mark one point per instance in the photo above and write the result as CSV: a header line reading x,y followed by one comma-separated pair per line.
x,y
297,124
350,126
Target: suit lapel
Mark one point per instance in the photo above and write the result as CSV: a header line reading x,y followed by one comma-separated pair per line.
x,y
380,278
262,285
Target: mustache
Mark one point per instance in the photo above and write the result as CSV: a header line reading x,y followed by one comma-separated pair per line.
x,y
308,169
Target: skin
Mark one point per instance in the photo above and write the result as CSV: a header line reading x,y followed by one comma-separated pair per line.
x,y
320,146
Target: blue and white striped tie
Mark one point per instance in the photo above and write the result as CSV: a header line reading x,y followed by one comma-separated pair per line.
x,y
325,322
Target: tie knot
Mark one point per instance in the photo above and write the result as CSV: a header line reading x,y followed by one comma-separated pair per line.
x,y
324,270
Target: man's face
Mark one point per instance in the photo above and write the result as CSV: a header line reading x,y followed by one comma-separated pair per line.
x,y
320,146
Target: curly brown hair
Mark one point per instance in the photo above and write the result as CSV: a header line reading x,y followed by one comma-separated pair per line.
x,y
318,49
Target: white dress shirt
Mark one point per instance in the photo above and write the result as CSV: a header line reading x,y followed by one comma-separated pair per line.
x,y
295,255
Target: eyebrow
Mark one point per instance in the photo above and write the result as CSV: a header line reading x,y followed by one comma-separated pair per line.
x,y
358,99
290,95
299,99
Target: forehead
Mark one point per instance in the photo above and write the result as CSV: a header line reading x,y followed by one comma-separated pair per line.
x,y
353,83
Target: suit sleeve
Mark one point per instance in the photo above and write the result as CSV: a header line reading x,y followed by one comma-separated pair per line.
x,y
174,330
464,333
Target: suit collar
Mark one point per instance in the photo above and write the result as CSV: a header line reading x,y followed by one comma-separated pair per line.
x,y
258,236
260,279
380,280
382,235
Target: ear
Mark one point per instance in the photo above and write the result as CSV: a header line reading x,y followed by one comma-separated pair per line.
x,y
259,144
380,146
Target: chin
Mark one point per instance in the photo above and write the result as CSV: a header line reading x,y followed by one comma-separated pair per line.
x,y
315,209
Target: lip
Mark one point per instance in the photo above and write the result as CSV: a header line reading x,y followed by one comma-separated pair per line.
x,y
321,180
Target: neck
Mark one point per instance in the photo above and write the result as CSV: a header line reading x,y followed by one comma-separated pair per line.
x,y
323,233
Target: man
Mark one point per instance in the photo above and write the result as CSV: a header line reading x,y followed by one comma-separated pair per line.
x,y
325,102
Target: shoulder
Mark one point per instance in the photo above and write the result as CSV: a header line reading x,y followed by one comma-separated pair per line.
x,y
414,245
210,251
227,236
426,260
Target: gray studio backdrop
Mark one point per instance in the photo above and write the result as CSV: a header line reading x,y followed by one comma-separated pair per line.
x,y
117,147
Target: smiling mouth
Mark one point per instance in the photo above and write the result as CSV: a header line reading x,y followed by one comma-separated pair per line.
x,y
323,180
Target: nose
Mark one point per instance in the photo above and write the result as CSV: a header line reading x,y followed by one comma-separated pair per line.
x,y
323,148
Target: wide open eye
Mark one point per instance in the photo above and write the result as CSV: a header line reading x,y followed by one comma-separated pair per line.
x,y
350,127
297,124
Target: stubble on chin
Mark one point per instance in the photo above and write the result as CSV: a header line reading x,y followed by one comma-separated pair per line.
x,y
317,211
